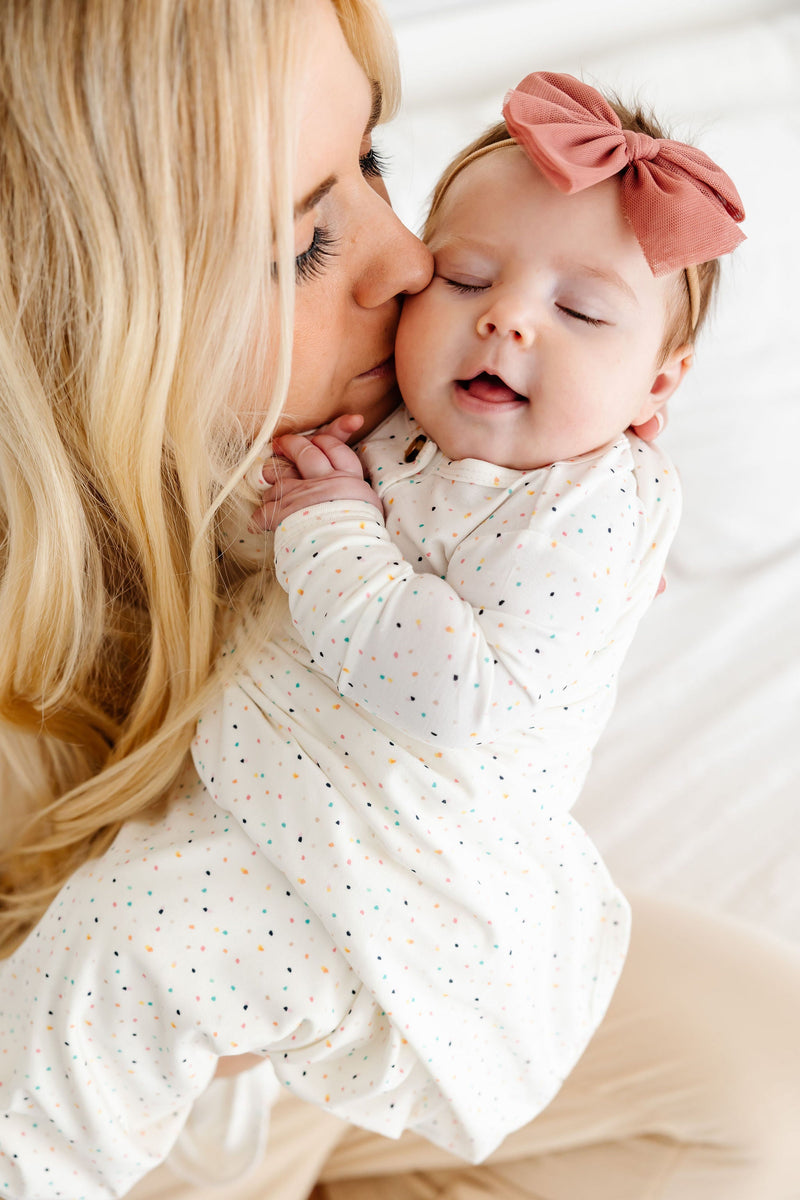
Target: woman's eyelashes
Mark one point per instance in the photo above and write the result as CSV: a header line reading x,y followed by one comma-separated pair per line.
x,y
311,262
373,164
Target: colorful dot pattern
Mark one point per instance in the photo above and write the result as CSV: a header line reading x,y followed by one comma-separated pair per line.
x,y
415,931
428,709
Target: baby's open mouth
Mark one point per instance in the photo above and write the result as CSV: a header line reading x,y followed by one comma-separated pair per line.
x,y
491,389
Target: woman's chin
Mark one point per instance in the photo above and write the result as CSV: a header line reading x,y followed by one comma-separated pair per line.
x,y
373,408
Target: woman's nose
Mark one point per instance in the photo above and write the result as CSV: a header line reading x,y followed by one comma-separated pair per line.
x,y
507,319
396,260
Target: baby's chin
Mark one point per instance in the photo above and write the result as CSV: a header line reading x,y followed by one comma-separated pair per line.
x,y
515,458
461,449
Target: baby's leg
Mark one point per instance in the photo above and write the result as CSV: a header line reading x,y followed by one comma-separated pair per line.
x,y
690,1089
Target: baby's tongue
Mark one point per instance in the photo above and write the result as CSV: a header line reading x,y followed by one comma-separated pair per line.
x,y
489,388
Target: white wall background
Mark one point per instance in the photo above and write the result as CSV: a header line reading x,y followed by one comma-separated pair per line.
x,y
695,789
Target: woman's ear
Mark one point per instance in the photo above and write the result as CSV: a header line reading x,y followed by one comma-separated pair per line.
x,y
669,377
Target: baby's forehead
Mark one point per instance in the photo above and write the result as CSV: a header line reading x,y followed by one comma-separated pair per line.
x,y
502,184
485,170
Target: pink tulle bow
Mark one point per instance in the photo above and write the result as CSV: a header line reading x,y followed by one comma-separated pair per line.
x,y
682,207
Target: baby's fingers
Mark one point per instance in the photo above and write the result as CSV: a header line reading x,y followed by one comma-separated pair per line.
x,y
343,427
343,460
310,460
274,469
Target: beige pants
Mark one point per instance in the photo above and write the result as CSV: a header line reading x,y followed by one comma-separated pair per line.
x,y
690,1089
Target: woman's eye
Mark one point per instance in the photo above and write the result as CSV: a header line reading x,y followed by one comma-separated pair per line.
x,y
579,316
373,164
311,262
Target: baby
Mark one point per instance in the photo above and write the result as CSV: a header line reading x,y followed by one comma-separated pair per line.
x,y
458,622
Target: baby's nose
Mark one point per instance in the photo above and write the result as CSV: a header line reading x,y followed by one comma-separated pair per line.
x,y
507,321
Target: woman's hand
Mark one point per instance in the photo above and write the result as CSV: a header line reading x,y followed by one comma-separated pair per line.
x,y
652,428
312,469
648,433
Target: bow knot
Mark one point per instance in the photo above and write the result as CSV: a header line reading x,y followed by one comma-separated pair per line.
x,y
682,207
640,146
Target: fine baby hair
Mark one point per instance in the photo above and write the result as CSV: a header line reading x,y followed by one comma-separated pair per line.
x,y
683,207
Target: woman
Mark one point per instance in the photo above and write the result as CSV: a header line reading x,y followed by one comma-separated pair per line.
x,y
153,155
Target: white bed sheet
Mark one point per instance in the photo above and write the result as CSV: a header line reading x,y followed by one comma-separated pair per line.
x,y
695,787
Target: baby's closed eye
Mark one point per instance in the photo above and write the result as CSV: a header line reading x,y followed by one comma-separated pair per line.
x,y
465,287
576,315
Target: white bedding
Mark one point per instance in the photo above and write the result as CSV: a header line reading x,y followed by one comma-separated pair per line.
x,y
695,787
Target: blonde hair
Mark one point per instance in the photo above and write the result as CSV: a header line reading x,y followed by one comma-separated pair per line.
x,y
146,154
680,329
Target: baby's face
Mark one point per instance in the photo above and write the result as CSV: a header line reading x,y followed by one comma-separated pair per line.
x,y
539,335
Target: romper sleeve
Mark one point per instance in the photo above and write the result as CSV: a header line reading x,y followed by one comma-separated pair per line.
x,y
152,962
452,661
99,1065
180,945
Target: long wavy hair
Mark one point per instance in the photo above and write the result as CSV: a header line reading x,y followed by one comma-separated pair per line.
x,y
146,151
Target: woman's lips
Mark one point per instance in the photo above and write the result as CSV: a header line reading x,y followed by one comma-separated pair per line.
x,y
490,389
381,371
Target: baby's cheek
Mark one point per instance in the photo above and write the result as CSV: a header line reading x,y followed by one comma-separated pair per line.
x,y
409,321
410,347
422,331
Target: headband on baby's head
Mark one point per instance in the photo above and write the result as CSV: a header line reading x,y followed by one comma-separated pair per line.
x,y
682,207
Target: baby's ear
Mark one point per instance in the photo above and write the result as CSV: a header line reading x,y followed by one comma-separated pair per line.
x,y
669,377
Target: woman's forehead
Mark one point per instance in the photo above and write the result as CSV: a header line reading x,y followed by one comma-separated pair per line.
x,y
336,101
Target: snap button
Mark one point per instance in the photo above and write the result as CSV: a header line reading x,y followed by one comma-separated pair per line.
x,y
414,448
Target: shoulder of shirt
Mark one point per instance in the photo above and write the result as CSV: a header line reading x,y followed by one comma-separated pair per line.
x,y
398,429
647,462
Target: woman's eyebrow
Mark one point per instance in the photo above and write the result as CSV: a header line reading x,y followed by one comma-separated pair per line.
x,y
313,198
377,106
319,193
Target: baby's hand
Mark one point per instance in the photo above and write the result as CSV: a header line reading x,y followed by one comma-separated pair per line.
x,y
312,470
